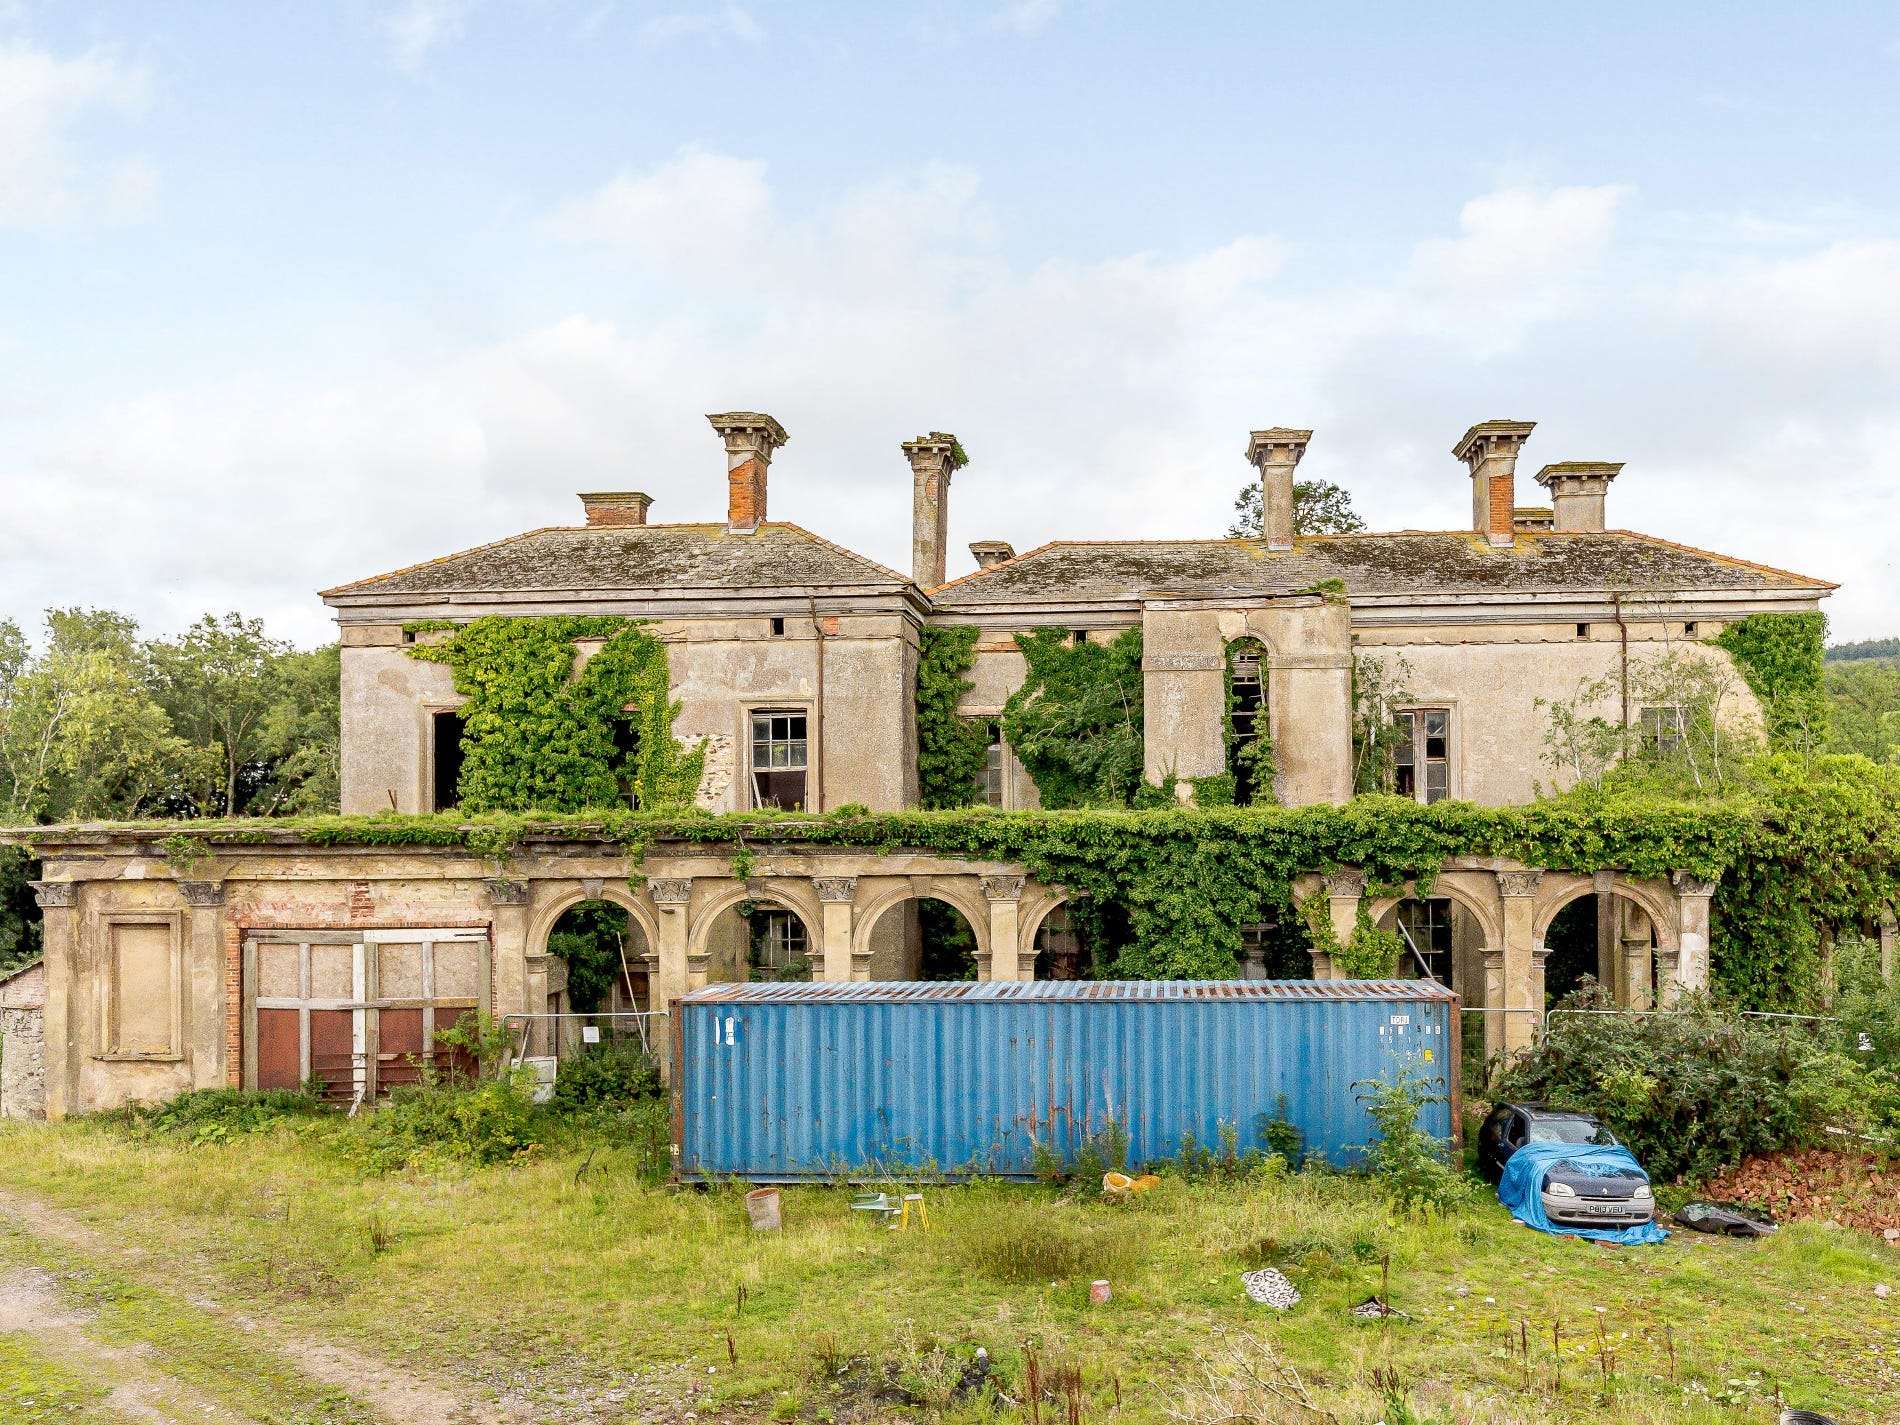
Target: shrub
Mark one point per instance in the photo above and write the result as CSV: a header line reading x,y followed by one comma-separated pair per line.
x,y
607,1075
214,1115
1038,1242
1692,1093
421,1125
1412,1166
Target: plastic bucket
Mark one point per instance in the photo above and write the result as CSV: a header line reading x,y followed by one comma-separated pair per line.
x,y
761,1205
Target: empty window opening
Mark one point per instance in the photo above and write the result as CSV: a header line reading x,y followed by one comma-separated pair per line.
x,y
1583,630
1078,637
780,949
780,755
1248,751
1422,767
778,628
1688,629
991,782
446,778
1663,729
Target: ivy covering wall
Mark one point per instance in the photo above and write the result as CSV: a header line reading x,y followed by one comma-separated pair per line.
x,y
1780,657
536,735
1076,722
951,748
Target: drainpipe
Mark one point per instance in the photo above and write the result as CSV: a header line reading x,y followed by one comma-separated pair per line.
x,y
1623,671
818,711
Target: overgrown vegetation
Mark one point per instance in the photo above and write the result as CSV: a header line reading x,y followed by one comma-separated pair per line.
x,y
1780,655
1076,722
950,748
538,735
1411,1166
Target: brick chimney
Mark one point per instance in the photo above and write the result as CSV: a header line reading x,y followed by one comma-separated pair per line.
x,y
991,552
1577,492
934,458
750,440
1490,450
615,509
1274,453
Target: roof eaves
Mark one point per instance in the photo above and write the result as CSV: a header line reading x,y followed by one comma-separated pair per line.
x,y
362,584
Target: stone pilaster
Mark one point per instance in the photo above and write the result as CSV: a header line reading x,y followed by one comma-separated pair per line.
x,y
508,919
1518,892
836,896
205,982
1005,896
1693,895
59,941
671,895
1345,888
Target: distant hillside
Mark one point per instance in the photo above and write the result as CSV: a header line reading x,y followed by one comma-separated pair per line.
x,y
1882,648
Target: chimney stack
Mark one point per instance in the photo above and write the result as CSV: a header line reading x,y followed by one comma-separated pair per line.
x,y
1577,492
991,552
934,458
615,509
1490,450
1274,453
750,440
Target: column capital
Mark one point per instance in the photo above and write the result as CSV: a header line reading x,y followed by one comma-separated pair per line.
x,y
1003,888
670,890
835,889
1346,881
502,891
1518,883
1689,884
202,893
54,895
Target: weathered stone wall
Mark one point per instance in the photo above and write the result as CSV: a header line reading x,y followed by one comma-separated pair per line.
x,y
1492,677
22,1063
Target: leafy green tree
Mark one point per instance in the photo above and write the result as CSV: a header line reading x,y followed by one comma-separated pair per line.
x,y
303,735
1319,507
220,683
1865,701
19,911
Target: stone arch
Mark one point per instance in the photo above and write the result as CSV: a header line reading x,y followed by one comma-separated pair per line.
x,y
775,893
959,892
1484,907
1038,905
1661,910
568,894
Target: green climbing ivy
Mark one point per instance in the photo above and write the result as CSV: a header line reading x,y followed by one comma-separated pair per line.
x,y
538,735
951,748
1780,657
1076,721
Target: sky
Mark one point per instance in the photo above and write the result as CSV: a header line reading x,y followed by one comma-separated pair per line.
x,y
291,294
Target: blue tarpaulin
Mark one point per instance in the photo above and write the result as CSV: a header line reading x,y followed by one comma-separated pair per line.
x,y
1520,1189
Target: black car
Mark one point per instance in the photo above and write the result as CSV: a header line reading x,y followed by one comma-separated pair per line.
x,y
1571,1198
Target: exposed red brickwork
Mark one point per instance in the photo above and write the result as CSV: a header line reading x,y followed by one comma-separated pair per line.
x,y
233,1004
1498,517
615,511
362,905
745,493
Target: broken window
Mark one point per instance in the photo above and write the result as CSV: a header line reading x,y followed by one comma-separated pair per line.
x,y
1422,767
780,755
446,759
1664,729
994,763
780,948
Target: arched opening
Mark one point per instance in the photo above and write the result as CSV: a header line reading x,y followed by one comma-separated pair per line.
x,y
1249,743
1444,941
1605,937
1081,939
921,937
761,941
604,955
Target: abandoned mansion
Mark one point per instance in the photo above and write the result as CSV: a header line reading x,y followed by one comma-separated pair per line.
x,y
791,669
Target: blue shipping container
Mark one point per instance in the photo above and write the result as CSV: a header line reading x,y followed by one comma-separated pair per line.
x,y
784,1082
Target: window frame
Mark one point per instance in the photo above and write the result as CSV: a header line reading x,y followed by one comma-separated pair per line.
x,y
749,716
1650,730
756,962
1414,713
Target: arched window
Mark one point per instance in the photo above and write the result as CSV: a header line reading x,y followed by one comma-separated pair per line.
x,y
1249,741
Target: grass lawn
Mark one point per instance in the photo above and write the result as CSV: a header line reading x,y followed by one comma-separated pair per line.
x,y
563,1285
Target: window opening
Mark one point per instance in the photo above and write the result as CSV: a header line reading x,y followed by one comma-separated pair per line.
x,y
780,949
778,628
993,766
1583,630
1422,767
1244,725
779,760
447,771
1663,729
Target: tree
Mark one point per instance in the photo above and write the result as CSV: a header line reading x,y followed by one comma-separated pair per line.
x,y
1866,710
303,735
220,683
1319,507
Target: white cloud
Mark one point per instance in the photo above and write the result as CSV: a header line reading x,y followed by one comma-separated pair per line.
x,y
413,28
727,22
47,177
1026,17
1097,399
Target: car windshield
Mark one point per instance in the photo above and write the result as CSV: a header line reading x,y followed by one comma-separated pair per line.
x,y
1570,1130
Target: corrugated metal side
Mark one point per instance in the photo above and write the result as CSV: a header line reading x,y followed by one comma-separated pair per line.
x,y
788,1087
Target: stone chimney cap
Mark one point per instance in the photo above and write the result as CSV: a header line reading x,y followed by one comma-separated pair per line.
x,y
615,507
1605,470
991,552
730,423
1261,442
1485,432
938,442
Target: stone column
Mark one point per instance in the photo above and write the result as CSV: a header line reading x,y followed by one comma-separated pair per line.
x,y
1693,895
670,897
59,942
205,982
1540,956
1636,985
1494,1022
934,458
1518,889
1609,951
508,914
1005,895
836,895
1344,890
